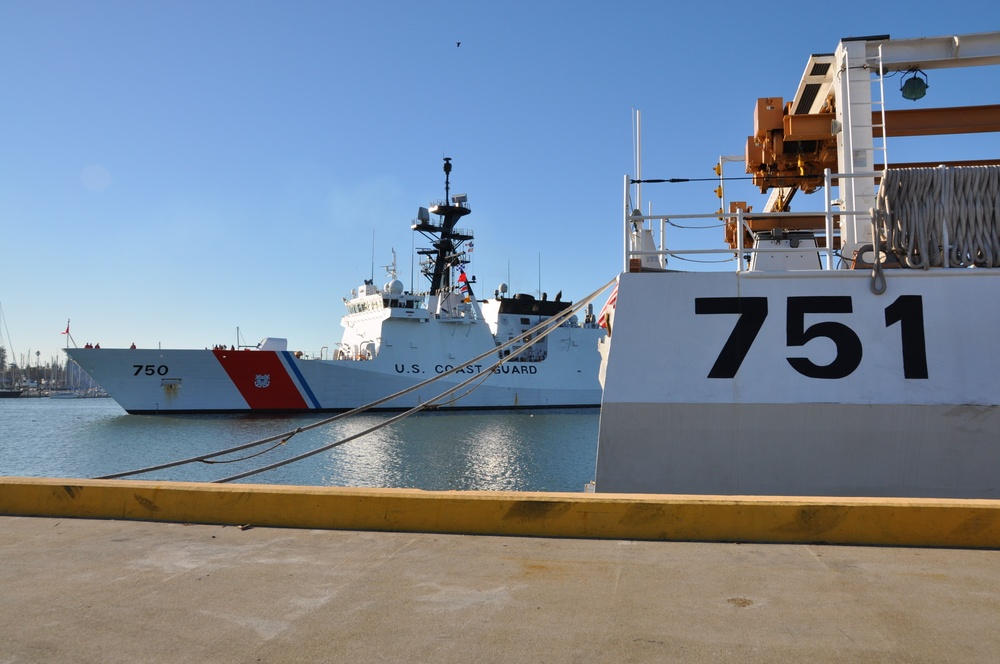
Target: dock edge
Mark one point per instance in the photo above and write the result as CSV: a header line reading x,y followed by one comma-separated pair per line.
x,y
916,522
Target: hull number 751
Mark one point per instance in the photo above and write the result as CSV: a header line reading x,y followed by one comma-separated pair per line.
x,y
907,310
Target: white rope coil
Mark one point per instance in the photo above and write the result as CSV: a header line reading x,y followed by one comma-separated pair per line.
x,y
913,204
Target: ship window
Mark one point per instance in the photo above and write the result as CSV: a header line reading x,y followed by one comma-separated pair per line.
x,y
525,321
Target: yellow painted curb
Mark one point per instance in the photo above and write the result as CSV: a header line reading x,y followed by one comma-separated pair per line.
x,y
863,521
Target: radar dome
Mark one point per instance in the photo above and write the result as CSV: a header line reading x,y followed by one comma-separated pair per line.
x,y
503,288
395,287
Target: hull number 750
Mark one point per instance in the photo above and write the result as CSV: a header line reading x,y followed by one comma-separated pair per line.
x,y
150,369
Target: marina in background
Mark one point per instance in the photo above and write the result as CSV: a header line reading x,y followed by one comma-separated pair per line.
x,y
25,375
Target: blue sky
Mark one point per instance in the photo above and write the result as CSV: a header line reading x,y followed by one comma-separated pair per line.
x,y
170,171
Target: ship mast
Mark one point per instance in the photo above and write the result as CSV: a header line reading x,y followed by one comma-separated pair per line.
x,y
444,235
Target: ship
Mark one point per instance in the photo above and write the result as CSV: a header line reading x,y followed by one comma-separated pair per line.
x,y
853,351
513,351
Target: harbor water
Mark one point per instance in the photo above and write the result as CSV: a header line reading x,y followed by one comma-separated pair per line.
x,y
493,451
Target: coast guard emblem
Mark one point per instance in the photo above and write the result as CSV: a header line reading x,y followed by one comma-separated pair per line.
x,y
262,380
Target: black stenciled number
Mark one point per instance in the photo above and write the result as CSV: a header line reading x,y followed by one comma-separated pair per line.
x,y
150,369
752,311
848,344
908,311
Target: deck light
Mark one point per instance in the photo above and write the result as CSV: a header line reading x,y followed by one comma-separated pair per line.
x,y
914,88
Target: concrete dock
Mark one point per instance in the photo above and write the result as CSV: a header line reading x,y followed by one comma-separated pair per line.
x,y
103,590
119,591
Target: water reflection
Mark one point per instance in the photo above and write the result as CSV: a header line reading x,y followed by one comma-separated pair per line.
x,y
508,451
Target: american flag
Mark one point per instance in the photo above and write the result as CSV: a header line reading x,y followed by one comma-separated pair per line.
x,y
608,307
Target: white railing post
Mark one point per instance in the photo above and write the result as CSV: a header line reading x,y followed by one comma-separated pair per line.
x,y
628,213
827,183
740,232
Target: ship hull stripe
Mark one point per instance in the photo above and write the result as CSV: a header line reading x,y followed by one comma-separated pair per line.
x,y
289,361
262,379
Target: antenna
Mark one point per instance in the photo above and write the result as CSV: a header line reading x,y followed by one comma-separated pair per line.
x,y
447,184
391,269
637,150
539,274
373,255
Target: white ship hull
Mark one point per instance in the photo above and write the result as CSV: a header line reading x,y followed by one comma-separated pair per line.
x,y
667,426
229,381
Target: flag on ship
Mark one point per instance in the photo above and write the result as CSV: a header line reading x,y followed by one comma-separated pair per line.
x,y
67,327
609,306
464,284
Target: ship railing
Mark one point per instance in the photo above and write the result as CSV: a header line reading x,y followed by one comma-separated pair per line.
x,y
633,258
454,203
926,217
434,227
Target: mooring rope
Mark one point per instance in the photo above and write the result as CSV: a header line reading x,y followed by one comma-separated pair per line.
x,y
536,333
914,204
